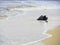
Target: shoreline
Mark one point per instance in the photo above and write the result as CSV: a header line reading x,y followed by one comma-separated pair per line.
x,y
55,39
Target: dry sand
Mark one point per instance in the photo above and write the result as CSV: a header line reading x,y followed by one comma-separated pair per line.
x,y
55,39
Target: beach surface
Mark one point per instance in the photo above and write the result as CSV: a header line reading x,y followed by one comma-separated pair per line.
x,y
55,39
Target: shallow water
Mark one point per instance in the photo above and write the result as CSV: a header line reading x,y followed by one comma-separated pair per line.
x,y
21,26
24,28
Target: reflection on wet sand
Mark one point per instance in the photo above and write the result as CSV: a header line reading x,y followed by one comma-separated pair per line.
x,y
55,39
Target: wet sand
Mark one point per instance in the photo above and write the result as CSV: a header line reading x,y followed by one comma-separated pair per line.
x,y
55,39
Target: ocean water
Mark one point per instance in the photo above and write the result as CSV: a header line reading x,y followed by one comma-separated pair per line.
x,y
21,26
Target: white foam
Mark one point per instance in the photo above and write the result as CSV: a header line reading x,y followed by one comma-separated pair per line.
x,y
20,29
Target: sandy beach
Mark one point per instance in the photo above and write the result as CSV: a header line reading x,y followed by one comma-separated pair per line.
x,y
55,39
